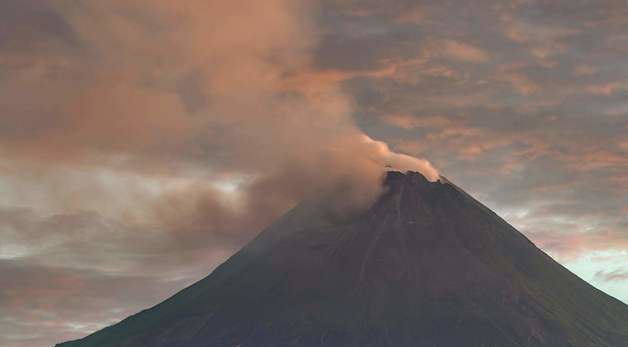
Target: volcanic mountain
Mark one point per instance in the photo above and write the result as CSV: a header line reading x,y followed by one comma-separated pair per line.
x,y
425,266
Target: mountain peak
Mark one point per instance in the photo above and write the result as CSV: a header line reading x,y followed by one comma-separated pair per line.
x,y
426,265
414,177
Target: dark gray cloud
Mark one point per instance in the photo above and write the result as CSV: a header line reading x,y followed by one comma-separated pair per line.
x,y
29,23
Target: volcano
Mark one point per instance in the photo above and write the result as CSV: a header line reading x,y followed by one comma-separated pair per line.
x,y
425,266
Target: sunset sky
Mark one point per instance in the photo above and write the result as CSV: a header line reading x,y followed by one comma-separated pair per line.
x,y
142,142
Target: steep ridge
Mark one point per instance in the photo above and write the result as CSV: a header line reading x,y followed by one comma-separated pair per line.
x,y
426,265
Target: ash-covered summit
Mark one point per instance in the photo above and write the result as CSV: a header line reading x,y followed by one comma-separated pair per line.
x,y
425,266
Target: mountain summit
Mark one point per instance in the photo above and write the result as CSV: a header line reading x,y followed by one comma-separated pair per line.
x,y
425,266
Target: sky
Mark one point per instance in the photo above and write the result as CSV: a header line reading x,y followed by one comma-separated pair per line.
x,y
142,142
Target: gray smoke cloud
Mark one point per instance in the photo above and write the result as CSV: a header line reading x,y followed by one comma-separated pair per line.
x,y
209,114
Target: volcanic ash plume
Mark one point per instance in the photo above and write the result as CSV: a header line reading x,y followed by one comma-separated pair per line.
x,y
195,92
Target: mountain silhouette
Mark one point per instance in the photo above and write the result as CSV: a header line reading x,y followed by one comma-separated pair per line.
x,y
425,266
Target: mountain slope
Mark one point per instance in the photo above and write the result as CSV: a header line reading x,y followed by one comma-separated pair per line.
x,y
426,265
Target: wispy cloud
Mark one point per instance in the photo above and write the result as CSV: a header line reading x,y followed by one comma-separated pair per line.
x,y
617,275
